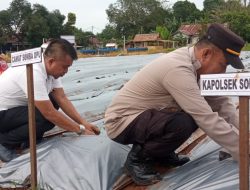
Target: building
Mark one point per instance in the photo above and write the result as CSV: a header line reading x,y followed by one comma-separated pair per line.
x,y
94,42
189,33
13,44
150,41
146,40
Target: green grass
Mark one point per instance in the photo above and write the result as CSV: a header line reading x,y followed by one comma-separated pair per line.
x,y
246,47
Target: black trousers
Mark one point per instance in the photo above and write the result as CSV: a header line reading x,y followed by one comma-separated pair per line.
x,y
159,132
14,127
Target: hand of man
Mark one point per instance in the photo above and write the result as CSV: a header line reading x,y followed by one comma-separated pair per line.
x,y
92,128
88,132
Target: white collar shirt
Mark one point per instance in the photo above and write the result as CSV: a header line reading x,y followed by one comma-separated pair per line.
x,y
13,86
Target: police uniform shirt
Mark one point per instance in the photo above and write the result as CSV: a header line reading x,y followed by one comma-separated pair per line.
x,y
170,82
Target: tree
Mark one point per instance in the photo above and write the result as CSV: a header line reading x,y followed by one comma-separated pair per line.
x,y
71,19
34,33
12,21
82,38
5,27
210,5
69,26
163,31
37,20
19,11
31,24
55,23
236,16
232,5
51,24
108,33
239,22
130,17
184,11
172,25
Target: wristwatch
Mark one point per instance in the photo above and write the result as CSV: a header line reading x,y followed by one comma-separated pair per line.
x,y
82,129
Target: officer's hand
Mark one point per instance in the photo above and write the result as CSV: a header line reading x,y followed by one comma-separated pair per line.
x,y
88,132
92,128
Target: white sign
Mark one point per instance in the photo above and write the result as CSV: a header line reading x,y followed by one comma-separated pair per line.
x,y
69,38
26,57
231,84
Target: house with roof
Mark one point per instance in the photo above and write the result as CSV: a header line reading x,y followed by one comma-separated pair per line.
x,y
188,32
145,40
150,41
95,42
13,44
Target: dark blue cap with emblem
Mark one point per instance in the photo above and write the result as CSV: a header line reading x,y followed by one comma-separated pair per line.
x,y
228,41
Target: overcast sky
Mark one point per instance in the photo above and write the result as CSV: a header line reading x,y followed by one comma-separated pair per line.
x,y
88,13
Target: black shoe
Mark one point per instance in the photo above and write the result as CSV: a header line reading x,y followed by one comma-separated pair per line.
x,y
6,154
173,159
139,167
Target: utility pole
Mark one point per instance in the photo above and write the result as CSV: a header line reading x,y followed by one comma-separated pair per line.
x,y
124,43
92,40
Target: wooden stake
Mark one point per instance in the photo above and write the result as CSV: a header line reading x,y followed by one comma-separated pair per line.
x,y
32,126
244,142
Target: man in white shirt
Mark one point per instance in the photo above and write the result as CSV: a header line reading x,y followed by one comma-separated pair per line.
x,y
49,96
